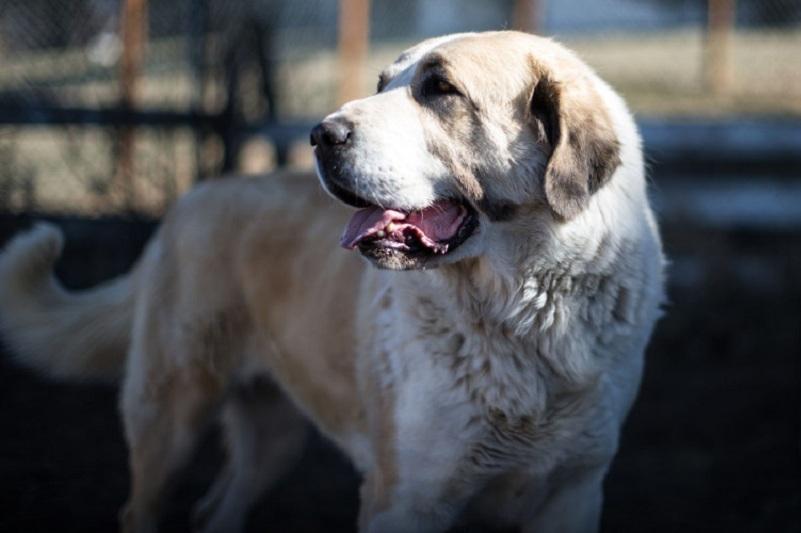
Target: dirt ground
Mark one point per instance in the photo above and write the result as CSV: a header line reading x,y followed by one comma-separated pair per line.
x,y
713,444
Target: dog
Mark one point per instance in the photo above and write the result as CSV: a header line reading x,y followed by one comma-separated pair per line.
x,y
475,353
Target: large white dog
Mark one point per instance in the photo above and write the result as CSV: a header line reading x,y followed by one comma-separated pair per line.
x,y
485,385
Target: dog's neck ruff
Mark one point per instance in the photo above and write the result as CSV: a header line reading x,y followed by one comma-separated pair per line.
x,y
500,337
538,309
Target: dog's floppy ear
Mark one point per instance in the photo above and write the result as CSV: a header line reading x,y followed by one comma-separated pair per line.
x,y
584,147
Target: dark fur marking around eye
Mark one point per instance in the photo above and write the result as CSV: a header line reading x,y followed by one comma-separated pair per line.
x,y
434,87
466,125
435,84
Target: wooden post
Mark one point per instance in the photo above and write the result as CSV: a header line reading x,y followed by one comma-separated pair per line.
x,y
526,16
134,35
354,40
717,60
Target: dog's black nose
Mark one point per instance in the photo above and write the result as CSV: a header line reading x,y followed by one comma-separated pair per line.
x,y
330,133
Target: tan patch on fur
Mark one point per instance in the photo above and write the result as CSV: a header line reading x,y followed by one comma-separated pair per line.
x,y
554,102
380,481
308,348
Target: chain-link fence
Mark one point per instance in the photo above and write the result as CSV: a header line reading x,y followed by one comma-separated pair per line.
x,y
97,118
692,57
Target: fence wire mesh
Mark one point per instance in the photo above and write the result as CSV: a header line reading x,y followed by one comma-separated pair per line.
x,y
254,61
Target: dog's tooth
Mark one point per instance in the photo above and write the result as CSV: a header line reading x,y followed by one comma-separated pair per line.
x,y
380,234
390,227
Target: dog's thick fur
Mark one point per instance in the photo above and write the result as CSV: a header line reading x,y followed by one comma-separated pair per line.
x,y
486,385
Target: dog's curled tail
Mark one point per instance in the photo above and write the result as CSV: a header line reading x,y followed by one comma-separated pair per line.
x,y
60,333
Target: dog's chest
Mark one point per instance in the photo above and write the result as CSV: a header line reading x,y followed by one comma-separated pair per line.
x,y
483,393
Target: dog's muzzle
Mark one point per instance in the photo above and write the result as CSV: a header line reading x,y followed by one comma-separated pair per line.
x,y
392,237
331,139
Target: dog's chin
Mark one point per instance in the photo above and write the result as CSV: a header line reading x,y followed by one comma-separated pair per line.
x,y
391,259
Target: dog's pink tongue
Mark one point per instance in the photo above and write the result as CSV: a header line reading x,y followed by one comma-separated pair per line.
x,y
367,222
431,226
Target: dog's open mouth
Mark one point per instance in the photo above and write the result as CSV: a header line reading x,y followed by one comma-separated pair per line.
x,y
435,230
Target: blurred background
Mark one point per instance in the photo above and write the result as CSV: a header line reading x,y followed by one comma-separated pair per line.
x,y
111,109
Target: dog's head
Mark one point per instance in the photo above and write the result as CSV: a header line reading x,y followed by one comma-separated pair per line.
x,y
466,135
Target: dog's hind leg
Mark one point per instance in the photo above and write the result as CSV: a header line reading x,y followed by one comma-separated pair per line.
x,y
264,435
164,410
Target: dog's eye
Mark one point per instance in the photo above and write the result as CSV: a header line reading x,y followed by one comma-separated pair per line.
x,y
438,86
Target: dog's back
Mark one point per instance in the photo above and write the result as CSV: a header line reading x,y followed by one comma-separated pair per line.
x,y
253,254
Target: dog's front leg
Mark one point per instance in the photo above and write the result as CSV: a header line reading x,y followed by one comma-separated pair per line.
x,y
425,507
423,492
573,505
